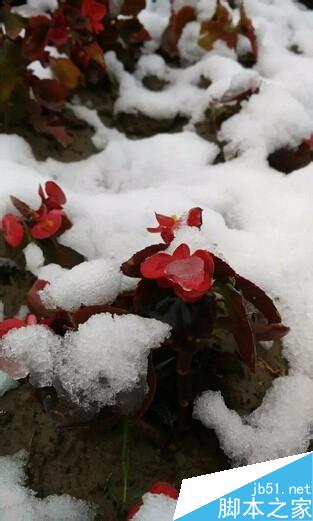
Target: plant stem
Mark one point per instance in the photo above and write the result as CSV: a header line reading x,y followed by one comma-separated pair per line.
x,y
184,384
125,458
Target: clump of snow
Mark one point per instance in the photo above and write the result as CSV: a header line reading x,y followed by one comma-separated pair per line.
x,y
89,283
106,357
279,426
156,507
29,350
34,257
19,503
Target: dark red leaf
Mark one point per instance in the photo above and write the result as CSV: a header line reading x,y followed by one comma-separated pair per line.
x,y
83,314
22,207
35,303
270,332
241,327
35,38
131,268
173,32
51,94
259,299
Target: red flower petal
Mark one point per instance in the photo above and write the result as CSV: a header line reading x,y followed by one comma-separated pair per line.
x,y
55,191
187,273
10,323
13,230
194,217
165,221
208,260
182,252
47,226
164,488
154,267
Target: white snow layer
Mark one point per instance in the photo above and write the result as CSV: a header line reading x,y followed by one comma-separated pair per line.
x,y
89,283
259,219
96,366
156,507
19,503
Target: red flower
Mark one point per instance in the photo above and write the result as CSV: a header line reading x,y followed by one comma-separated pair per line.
x,y
190,276
13,323
95,12
159,488
13,230
164,488
55,197
47,224
168,225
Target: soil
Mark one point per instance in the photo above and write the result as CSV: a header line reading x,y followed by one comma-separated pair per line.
x,y
86,461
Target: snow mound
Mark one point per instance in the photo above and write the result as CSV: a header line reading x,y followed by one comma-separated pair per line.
x,y
279,426
107,358
17,503
156,507
89,283
29,350
34,257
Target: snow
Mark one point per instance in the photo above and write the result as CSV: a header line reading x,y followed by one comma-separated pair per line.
x,y
258,219
89,283
19,503
34,257
107,359
156,507
6,383
98,365
29,350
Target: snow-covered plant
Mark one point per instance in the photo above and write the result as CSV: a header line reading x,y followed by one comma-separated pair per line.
x,y
42,226
198,293
220,27
160,500
80,31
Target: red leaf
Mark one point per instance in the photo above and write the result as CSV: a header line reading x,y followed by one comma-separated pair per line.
x,y
259,299
131,268
173,32
35,303
219,28
22,207
246,28
95,12
270,332
35,38
241,327
83,314
51,94
13,230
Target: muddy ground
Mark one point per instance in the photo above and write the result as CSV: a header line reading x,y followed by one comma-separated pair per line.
x,y
86,461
